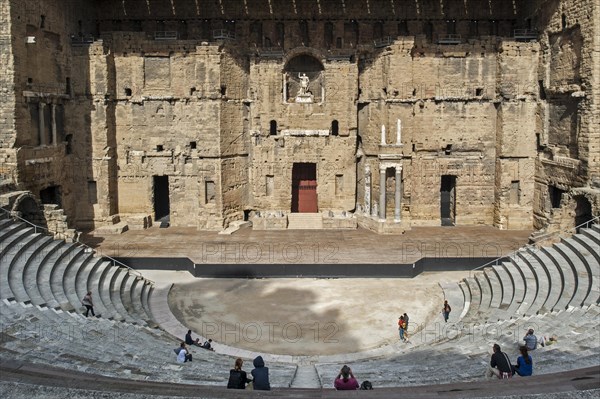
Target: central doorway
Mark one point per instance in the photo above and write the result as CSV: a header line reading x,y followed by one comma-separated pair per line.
x,y
448,200
161,198
304,188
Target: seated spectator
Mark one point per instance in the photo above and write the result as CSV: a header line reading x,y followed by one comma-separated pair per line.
x,y
499,364
345,380
545,341
208,345
238,377
530,340
261,375
189,340
183,355
524,366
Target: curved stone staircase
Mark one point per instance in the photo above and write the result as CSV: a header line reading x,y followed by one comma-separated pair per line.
x,y
42,280
554,290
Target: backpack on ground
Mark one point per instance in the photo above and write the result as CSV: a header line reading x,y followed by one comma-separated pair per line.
x,y
366,386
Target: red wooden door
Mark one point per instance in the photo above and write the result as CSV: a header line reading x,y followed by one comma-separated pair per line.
x,y
307,196
304,188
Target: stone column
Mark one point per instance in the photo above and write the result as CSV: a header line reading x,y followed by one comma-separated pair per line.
x,y
382,193
41,124
284,87
367,190
398,198
383,141
399,132
54,138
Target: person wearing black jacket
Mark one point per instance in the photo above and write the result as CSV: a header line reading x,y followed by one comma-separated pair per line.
x,y
499,364
238,377
261,375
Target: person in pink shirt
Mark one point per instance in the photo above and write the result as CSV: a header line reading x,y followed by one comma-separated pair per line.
x,y
345,380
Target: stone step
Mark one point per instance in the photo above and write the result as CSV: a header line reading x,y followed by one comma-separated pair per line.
x,y
32,268
118,228
592,267
507,285
542,279
103,290
16,276
582,279
593,233
530,283
9,230
306,377
456,299
495,285
519,288
9,261
57,278
305,221
569,278
46,270
592,247
556,279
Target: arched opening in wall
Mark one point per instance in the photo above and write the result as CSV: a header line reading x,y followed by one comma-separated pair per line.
x,y
303,75
583,210
27,207
335,128
273,128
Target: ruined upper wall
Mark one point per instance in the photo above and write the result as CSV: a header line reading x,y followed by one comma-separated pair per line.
x,y
299,9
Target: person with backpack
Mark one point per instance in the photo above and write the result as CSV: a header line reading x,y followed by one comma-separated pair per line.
x,y
500,365
238,377
446,309
402,328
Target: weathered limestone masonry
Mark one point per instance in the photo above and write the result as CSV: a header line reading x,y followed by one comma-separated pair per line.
x,y
8,161
37,94
568,169
465,111
385,114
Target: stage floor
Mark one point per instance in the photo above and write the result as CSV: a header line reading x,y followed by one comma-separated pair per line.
x,y
310,246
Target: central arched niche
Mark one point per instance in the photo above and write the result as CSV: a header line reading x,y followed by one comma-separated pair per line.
x,y
293,74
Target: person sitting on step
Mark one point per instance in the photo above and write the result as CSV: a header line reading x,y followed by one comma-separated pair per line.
x,y
499,364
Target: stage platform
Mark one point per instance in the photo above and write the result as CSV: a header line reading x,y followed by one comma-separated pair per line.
x,y
247,246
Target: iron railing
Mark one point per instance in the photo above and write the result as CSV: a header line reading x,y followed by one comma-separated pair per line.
x,y
87,248
545,237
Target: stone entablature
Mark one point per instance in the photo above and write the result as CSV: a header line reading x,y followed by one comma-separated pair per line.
x,y
305,133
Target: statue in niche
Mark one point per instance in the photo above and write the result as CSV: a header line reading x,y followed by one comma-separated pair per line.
x,y
304,81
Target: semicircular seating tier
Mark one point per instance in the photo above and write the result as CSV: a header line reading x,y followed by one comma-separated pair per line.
x,y
42,280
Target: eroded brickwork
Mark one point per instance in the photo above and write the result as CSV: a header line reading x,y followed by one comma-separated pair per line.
x,y
401,113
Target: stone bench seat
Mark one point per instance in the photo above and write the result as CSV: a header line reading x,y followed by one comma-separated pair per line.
x,y
15,261
592,266
555,277
29,272
569,279
580,272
